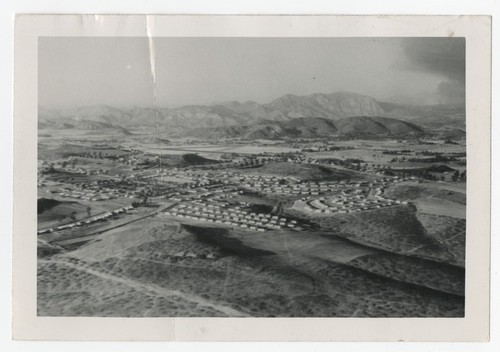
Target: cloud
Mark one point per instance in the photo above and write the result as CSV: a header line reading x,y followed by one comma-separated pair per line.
x,y
450,92
440,56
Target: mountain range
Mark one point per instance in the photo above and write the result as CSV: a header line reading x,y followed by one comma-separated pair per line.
x,y
340,113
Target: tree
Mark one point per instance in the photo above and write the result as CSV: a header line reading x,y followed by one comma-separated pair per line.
x,y
463,176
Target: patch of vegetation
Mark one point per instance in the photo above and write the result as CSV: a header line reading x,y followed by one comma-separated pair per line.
x,y
418,271
303,171
449,232
44,204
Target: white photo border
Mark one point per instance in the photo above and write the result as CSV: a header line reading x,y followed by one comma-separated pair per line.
x,y
473,327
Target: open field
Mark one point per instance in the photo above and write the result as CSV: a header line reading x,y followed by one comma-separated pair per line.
x,y
432,199
440,207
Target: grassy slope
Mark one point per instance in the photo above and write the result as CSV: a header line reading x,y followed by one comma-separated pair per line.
x,y
309,275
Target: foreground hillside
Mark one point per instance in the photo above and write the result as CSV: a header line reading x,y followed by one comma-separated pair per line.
x,y
175,270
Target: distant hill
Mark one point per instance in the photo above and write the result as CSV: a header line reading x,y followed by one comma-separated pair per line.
x,y
427,115
153,140
256,111
185,160
454,133
297,127
213,132
313,128
287,116
90,125
100,113
332,106
433,121
301,171
364,125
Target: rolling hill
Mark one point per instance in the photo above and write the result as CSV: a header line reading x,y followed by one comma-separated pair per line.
x,y
332,106
376,126
313,128
88,125
185,160
301,171
340,113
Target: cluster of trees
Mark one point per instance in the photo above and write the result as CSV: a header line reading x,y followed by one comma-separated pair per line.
x,y
324,148
73,214
436,159
428,153
395,160
459,176
229,156
71,162
397,152
252,162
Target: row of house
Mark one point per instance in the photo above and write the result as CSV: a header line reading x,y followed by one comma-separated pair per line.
x,y
234,216
344,202
87,195
292,189
74,170
355,206
89,220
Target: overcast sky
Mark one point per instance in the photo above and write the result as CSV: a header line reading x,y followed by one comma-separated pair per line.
x,y
76,72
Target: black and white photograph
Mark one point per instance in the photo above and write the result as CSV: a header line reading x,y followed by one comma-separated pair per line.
x,y
251,177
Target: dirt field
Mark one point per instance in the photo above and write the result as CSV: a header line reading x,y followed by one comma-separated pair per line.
x,y
441,207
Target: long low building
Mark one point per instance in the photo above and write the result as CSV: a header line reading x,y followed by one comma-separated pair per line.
x,y
86,221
